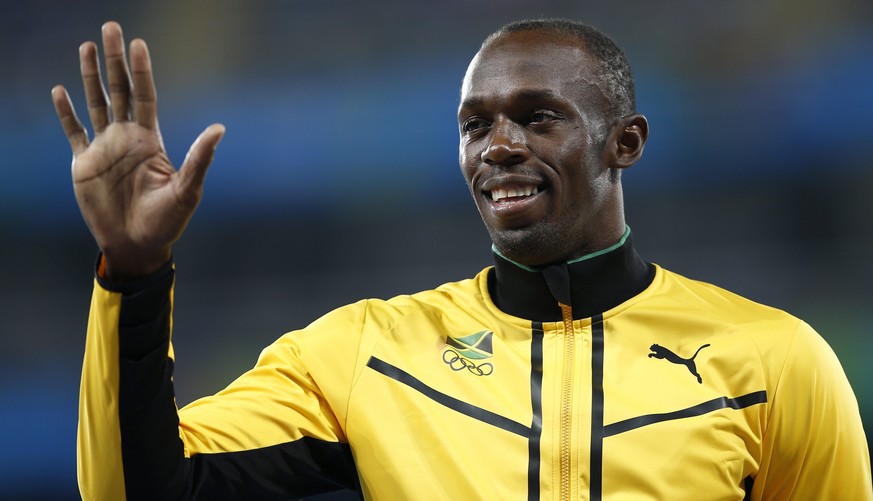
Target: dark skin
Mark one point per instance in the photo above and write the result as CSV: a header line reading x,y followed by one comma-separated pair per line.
x,y
135,202
532,116
536,135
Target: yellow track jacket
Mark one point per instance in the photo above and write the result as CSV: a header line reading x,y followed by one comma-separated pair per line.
x,y
604,378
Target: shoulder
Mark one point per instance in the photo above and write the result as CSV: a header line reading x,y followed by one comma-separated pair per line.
x,y
752,329
791,355
710,299
384,313
785,344
455,297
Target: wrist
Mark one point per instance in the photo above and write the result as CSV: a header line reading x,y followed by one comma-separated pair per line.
x,y
132,286
130,268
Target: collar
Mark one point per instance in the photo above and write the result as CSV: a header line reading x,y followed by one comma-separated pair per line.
x,y
590,285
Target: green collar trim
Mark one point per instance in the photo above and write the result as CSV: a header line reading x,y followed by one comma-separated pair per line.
x,y
611,248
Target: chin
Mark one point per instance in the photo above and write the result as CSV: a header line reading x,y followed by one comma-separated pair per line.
x,y
525,248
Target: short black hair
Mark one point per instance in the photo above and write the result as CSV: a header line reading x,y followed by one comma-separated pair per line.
x,y
615,70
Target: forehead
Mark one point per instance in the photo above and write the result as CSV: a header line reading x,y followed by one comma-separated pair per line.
x,y
526,61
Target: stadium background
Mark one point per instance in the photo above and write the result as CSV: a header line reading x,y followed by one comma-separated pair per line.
x,y
338,176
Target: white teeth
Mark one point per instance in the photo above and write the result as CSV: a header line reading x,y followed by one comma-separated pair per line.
x,y
500,193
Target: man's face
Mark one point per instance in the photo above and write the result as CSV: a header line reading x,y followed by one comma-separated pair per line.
x,y
533,131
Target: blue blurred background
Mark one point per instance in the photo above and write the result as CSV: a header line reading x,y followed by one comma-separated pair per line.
x,y
338,176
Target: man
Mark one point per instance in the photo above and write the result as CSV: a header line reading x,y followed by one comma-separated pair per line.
x,y
571,369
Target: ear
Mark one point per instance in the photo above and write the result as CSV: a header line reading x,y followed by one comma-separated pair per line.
x,y
626,140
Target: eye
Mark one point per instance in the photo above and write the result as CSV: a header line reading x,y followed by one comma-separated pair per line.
x,y
473,124
542,116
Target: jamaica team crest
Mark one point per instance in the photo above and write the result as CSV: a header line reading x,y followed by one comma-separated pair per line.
x,y
469,352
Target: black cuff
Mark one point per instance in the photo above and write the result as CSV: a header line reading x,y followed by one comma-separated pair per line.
x,y
144,321
138,285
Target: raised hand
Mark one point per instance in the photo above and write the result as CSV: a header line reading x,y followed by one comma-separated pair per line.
x,y
134,201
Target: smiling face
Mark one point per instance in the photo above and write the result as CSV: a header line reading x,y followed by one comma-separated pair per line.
x,y
533,149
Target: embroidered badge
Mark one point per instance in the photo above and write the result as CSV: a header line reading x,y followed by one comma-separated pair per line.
x,y
468,352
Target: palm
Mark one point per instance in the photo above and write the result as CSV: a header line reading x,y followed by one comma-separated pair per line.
x,y
124,184
132,198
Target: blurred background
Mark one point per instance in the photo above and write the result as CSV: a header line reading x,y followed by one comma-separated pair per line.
x,y
338,176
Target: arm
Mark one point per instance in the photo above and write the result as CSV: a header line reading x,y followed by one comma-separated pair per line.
x,y
814,446
271,434
136,205
131,442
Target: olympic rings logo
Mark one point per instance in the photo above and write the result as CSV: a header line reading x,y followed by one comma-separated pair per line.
x,y
458,363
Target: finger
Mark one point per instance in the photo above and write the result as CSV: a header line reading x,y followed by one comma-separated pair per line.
x,y
144,99
95,94
116,71
199,156
73,128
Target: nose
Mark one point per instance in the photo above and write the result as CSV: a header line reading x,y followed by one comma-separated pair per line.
x,y
507,145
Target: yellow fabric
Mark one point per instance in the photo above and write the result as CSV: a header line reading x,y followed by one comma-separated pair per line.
x,y
99,465
805,442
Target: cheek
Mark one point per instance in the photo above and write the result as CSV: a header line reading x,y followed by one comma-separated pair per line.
x,y
587,184
466,161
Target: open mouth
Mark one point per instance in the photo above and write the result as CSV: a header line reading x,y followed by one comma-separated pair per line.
x,y
513,193
513,204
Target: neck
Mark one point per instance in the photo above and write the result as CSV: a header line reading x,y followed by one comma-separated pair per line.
x,y
590,284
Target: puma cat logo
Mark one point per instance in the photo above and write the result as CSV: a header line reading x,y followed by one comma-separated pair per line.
x,y
659,351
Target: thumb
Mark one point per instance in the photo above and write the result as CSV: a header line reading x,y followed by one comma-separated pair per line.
x,y
193,170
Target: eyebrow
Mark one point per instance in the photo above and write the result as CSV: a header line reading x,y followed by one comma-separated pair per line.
x,y
522,95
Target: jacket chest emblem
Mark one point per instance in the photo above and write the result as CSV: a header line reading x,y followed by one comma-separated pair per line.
x,y
470,353
659,351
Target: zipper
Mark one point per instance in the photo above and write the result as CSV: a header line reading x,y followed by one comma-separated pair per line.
x,y
566,398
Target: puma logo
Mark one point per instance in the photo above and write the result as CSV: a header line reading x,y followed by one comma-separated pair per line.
x,y
659,351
